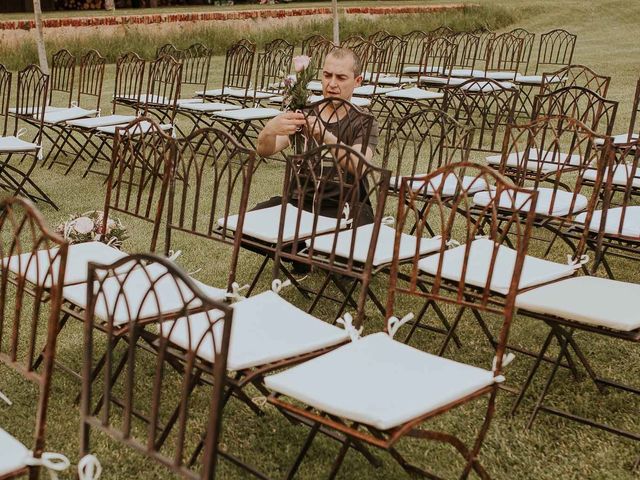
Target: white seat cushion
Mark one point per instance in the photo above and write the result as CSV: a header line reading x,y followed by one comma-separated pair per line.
x,y
263,224
216,92
442,80
13,454
379,382
469,184
591,300
393,80
536,79
187,101
384,247
315,86
557,204
34,110
619,139
67,114
137,129
546,161
145,98
621,175
257,113
481,86
171,295
615,224
14,144
535,271
415,69
466,72
209,106
357,101
265,328
415,93
368,90
96,122
36,269
501,75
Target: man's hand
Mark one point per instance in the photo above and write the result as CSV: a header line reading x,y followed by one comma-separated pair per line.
x,y
285,124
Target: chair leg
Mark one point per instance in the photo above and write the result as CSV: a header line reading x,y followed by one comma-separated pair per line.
x,y
303,451
339,459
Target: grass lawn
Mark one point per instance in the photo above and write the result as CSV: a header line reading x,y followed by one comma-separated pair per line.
x,y
552,449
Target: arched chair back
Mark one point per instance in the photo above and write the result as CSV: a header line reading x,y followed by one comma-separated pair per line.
x,y
504,54
555,50
238,66
163,87
415,42
5,99
91,78
575,76
529,39
485,38
196,63
270,66
130,69
467,50
63,70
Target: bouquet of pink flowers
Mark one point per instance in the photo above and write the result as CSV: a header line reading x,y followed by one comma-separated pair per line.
x,y
295,88
88,227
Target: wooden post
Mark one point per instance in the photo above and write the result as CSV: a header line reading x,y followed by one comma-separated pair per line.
x,y
42,52
336,22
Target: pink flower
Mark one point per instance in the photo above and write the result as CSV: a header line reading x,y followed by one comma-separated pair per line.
x,y
83,225
300,63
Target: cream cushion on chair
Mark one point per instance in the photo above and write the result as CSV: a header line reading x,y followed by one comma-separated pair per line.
x,y
379,382
615,223
14,144
393,80
554,203
536,79
591,300
470,184
265,328
501,75
216,92
621,174
384,247
13,454
415,69
67,114
549,161
535,271
34,110
481,86
466,72
368,90
315,86
357,101
171,292
36,270
443,80
415,93
96,122
137,129
208,106
249,113
264,224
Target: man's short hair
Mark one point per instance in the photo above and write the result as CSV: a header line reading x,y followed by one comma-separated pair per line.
x,y
343,52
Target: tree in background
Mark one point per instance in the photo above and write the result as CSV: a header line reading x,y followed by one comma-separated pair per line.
x,y
42,52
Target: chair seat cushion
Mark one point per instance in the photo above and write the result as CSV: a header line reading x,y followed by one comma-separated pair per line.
x,y
14,144
466,72
619,222
416,69
619,139
442,80
171,295
590,300
357,101
257,113
217,92
146,98
536,79
208,106
36,269
380,382
621,175
67,114
470,184
187,101
96,122
501,75
415,93
314,86
481,86
556,203
384,247
13,454
368,90
137,129
34,110
265,328
393,80
544,160
264,224
535,271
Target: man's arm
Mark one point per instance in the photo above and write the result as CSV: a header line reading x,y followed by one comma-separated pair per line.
x,y
274,137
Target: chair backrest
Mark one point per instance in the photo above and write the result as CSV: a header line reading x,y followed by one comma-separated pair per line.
x,y
130,69
273,65
211,181
311,40
377,36
529,39
196,63
561,155
575,76
555,49
438,55
466,275
442,31
147,385
588,107
163,86
415,43
31,98
140,173
467,50
63,70
504,53
238,65
485,37
352,41
390,56
634,113
168,49
333,188
318,47
5,98
30,312
352,124
422,142
91,78
485,105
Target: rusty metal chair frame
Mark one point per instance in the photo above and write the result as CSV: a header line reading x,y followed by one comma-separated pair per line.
x,y
593,110
138,337
238,67
376,36
504,54
317,47
485,36
442,31
24,231
164,85
529,40
63,70
130,70
466,55
575,76
31,101
415,45
457,293
487,106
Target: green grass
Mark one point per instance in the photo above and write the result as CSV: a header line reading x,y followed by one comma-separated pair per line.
x,y
552,449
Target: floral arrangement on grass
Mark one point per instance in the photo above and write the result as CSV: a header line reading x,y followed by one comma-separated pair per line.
x,y
295,88
88,226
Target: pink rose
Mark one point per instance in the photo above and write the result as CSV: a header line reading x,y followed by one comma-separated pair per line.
x,y
83,225
300,63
